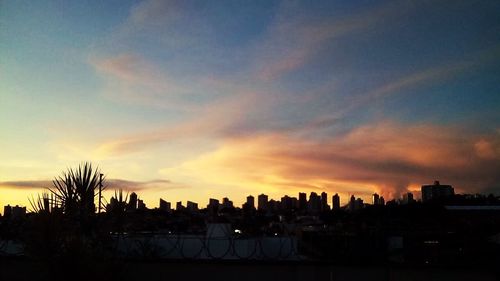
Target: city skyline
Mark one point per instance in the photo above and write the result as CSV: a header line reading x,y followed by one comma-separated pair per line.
x,y
198,100
315,202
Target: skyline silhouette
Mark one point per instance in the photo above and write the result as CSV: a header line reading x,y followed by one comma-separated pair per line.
x,y
250,140
196,99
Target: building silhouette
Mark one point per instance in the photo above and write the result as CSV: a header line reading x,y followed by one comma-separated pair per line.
x,y
314,204
226,203
165,206
192,206
376,199
287,203
302,201
263,202
408,198
436,191
355,203
213,206
178,206
141,205
336,202
132,203
324,202
250,202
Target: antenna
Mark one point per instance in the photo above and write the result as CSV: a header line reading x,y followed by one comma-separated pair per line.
x,y
100,191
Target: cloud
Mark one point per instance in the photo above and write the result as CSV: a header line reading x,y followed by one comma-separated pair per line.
x,y
111,184
487,149
214,120
295,38
386,157
426,77
33,184
132,79
115,184
154,11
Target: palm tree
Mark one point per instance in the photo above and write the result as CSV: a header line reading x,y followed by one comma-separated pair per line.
x,y
76,190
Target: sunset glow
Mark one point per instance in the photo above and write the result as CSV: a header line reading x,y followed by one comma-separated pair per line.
x,y
191,100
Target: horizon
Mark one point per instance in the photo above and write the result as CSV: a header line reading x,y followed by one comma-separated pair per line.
x,y
116,186
191,100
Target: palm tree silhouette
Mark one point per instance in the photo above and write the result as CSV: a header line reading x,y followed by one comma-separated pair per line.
x,y
76,190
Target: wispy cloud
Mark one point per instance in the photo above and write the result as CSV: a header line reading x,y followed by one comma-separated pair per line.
x,y
294,38
432,75
130,78
33,184
111,184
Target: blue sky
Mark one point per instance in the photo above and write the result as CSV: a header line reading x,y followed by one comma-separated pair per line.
x,y
196,99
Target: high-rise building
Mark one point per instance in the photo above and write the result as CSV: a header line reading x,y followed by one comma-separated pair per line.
x,y
286,203
376,199
359,204
141,205
7,211
355,203
273,205
192,206
352,203
381,200
226,203
336,202
302,201
164,205
132,202
250,202
263,203
408,198
324,202
436,191
213,205
178,206
314,204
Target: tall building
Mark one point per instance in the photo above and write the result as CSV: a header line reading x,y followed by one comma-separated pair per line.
x,y
302,201
381,200
355,203
286,203
359,204
250,202
178,206
408,198
7,211
213,205
314,204
263,203
164,205
324,202
192,206
352,203
132,202
336,202
436,191
273,205
141,205
226,203
376,199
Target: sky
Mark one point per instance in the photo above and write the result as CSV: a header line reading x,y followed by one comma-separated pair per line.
x,y
190,100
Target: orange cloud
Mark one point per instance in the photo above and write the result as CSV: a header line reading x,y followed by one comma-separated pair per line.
x,y
386,157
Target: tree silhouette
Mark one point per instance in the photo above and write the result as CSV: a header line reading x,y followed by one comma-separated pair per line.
x,y
76,190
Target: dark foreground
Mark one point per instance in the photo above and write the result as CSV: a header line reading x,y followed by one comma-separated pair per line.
x,y
133,270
